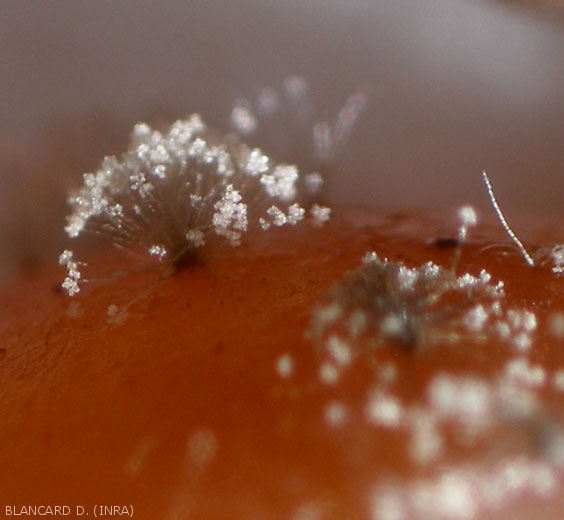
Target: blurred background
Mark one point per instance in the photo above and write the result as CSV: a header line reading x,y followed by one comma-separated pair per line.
x,y
458,86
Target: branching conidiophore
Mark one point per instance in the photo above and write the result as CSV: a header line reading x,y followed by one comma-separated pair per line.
x,y
174,193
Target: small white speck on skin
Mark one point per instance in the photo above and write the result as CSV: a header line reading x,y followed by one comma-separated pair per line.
x,y
464,493
521,474
295,214
391,326
243,119
522,342
370,257
503,329
335,413
387,373
554,448
476,318
309,511
116,316
466,400
557,257
357,322
138,458
456,497
556,325
407,278
72,281
524,319
330,313
281,183
388,504
328,373
277,215
520,371
285,366
558,380
158,251
384,410
196,237
202,447
426,442
320,214
516,400
339,350
496,308
529,321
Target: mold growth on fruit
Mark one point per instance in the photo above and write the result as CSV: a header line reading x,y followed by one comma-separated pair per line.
x,y
176,194
438,363
517,445
388,303
179,194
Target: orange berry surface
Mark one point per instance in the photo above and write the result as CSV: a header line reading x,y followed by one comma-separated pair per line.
x,y
202,395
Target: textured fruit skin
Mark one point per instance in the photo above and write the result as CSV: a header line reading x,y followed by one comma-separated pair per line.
x,y
176,406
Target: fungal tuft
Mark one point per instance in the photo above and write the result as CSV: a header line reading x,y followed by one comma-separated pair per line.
x,y
387,302
178,194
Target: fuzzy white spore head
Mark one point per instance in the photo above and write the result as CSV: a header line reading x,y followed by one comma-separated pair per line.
x,y
467,216
468,219
320,214
243,118
285,366
384,410
335,413
71,283
159,251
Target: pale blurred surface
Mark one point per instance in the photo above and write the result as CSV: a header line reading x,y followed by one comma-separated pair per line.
x,y
458,87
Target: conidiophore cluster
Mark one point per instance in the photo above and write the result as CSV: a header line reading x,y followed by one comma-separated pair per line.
x,y
384,302
178,194
282,121
390,302
173,193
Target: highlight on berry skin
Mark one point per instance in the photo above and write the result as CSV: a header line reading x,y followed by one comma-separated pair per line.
x,y
176,194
